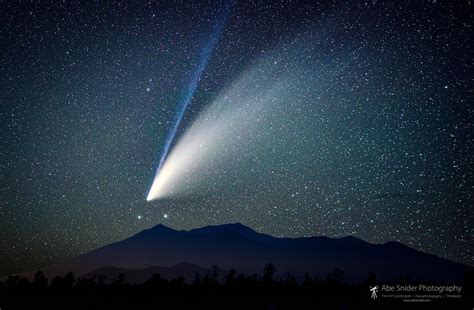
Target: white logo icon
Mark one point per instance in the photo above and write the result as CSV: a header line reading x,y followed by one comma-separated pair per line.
x,y
374,292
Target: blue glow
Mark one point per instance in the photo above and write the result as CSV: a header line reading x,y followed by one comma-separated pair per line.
x,y
188,94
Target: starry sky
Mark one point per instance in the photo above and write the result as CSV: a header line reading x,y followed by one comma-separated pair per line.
x,y
351,118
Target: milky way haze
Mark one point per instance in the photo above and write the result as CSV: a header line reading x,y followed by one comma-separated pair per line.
x,y
306,118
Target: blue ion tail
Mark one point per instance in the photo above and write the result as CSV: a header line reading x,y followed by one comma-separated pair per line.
x,y
185,100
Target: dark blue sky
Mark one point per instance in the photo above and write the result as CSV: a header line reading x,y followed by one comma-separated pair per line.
x,y
371,134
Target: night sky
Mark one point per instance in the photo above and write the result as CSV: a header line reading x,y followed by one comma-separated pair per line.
x,y
324,118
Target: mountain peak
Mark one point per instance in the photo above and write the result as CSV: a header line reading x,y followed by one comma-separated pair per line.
x,y
231,227
235,228
155,230
236,225
160,226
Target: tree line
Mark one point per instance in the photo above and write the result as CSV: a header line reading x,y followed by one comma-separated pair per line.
x,y
332,290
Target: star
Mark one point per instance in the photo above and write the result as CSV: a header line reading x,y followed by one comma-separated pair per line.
x,y
288,129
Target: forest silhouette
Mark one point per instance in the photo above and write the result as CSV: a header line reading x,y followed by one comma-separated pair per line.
x,y
213,290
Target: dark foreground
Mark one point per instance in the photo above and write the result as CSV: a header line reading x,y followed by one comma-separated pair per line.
x,y
213,291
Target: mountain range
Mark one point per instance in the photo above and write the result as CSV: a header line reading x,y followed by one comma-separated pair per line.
x,y
172,253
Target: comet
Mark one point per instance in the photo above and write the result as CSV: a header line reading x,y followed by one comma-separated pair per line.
x,y
249,119
188,93
210,141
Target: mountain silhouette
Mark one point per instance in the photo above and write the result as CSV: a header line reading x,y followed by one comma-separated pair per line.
x,y
239,247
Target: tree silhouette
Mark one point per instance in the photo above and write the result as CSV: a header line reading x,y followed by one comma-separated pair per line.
x,y
120,280
213,272
56,283
12,282
40,282
155,282
273,291
68,280
155,278
101,280
291,282
372,279
229,278
197,279
17,283
336,276
268,273
307,282
210,280
63,284
86,284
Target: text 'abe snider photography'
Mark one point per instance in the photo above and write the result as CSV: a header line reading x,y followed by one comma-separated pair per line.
x,y
416,293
